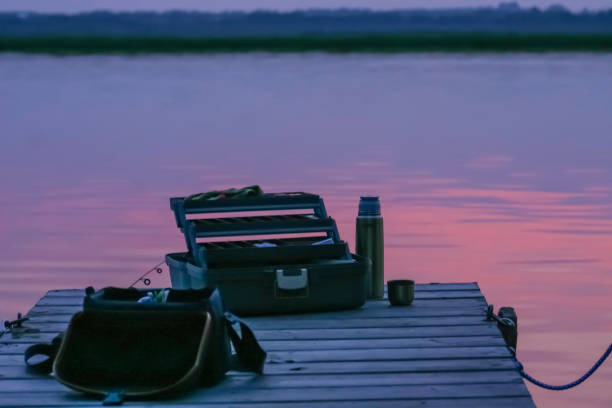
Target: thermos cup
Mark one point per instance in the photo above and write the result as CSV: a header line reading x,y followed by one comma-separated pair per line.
x,y
369,243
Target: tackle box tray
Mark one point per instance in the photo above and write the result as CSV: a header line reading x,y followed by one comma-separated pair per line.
x,y
272,251
270,224
182,206
299,199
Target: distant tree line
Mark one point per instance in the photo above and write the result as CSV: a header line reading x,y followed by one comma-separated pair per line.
x,y
370,43
508,18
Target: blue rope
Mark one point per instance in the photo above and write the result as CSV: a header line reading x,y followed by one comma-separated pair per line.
x,y
566,386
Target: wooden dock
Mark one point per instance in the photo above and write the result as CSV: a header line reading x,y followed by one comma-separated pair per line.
x,y
439,352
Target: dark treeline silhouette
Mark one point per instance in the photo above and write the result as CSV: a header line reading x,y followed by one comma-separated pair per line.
x,y
507,18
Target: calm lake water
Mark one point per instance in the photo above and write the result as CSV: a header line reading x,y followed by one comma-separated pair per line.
x,y
490,168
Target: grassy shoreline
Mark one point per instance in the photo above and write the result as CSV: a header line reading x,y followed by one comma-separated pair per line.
x,y
443,42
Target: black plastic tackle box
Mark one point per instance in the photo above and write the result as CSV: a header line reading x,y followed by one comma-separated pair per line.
x,y
277,273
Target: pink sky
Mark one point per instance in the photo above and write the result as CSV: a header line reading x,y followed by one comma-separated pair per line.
x,y
72,6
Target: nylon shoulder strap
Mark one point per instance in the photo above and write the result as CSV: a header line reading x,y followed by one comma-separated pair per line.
x,y
249,354
45,349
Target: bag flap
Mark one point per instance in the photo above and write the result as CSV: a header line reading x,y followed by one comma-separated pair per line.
x,y
132,352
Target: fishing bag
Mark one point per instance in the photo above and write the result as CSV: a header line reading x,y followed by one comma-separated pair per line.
x,y
118,347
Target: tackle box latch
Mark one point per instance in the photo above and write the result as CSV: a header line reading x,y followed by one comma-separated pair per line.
x,y
292,282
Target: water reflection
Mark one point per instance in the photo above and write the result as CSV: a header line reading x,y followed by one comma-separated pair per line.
x,y
492,169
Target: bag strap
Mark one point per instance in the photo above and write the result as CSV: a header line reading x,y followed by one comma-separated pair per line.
x,y
46,349
249,354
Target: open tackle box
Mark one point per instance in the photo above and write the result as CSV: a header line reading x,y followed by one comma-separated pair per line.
x,y
272,274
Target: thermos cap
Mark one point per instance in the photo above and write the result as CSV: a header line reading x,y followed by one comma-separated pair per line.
x,y
369,206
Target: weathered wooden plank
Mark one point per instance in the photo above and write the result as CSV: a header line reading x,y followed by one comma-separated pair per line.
x,y
66,292
487,402
13,348
382,310
430,304
59,313
350,319
11,359
355,323
221,394
346,334
331,356
312,356
423,295
505,402
447,294
349,323
424,305
53,324
419,287
273,382
376,333
28,335
392,366
12,366
355,344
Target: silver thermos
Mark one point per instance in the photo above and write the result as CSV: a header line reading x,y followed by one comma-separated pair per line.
x,y
369,243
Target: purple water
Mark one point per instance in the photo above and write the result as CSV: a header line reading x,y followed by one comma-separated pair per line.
x,y
490,168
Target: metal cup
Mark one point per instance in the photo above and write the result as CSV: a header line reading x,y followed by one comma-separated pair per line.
x,y
400,292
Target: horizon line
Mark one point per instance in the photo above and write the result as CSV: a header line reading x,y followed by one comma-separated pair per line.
x,y
499,7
